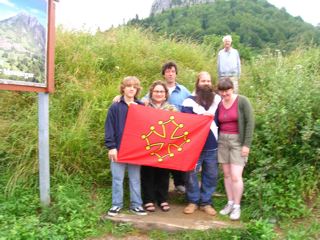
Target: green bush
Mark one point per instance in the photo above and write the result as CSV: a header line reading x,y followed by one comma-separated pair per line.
x,y
73,214
283,169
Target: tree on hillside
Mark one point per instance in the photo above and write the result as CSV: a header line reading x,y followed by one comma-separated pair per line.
x,y
258,23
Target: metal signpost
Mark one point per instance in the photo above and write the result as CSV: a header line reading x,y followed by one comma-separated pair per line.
x,y
44,163
39,52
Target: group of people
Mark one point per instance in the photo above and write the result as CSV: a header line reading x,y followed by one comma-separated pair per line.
x,y
228,141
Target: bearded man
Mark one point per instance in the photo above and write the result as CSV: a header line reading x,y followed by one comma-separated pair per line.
x,y
204,102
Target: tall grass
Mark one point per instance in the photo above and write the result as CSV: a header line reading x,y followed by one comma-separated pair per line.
x,y
283,169
88,71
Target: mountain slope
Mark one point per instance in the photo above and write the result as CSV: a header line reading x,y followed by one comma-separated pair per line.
x,y
22,47
258,23
23,27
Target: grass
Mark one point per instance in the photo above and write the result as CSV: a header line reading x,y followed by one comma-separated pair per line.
x,y
73,213
283,170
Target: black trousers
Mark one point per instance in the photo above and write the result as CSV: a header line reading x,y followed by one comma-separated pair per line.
x,y
179,177
154,184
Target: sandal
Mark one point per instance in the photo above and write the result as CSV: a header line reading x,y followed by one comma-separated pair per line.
x,y
164,207
149,207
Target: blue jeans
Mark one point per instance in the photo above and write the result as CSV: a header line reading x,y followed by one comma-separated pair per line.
x,y
202,195
118,172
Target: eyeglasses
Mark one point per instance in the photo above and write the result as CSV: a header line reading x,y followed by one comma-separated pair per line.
x,y
156,91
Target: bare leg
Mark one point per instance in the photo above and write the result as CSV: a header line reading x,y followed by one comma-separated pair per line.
x,y
228,180
237,182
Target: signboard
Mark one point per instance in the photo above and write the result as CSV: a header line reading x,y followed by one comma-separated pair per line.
x,y
27,45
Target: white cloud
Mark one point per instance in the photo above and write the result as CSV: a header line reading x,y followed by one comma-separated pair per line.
x,y
96,13
7,2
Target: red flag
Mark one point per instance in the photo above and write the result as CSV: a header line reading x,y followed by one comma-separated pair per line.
x,y
164,139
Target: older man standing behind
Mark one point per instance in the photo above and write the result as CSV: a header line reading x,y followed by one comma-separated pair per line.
x,y
229,64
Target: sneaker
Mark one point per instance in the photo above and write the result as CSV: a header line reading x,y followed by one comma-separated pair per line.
x,y
190,208
209,210
227,209
235,214
139,211
114,211
180,189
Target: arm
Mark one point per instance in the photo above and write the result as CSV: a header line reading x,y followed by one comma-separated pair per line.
x,y
113,155
109,129
216,116
249,123
185,91
169,107
249,126
218,65
187,109
116,99
145,99
186,106
238,64
110,140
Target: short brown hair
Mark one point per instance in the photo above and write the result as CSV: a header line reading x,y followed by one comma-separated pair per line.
x,y
156,83
225,84
169,65
130,80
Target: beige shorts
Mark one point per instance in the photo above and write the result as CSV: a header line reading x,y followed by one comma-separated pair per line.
x,y
229,149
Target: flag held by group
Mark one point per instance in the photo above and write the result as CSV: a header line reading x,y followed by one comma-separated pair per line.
x,y
163,139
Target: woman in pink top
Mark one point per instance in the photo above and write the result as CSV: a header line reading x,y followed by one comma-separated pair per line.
x,y
236,125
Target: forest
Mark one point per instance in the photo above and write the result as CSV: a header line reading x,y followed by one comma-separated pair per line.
x,y
258,24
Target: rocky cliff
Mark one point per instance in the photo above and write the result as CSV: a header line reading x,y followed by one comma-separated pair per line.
x,y
159,6
22,49
24,33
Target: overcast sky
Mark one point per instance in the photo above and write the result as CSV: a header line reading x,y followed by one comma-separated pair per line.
x,y
75,14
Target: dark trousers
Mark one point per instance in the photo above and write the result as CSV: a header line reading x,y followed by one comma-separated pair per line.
x,y
179,178
154,184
